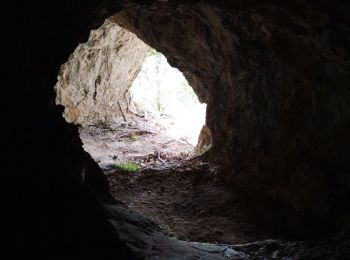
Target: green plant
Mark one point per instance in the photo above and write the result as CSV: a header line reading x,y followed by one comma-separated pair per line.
x,y
205,148
158,102
166,228
134,138
173,238
128,166
151,218
152,52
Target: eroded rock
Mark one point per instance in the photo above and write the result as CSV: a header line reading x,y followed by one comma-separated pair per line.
x,y
98,74
275,78
275,75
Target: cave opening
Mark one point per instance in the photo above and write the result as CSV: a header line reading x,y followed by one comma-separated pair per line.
x,y
133,109
162,92
126,98
275,77
144,125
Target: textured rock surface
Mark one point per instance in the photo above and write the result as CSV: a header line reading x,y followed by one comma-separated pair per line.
x,y
277,88
98,74
276,80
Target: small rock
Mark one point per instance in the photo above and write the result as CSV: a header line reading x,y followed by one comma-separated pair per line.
x,y
233,253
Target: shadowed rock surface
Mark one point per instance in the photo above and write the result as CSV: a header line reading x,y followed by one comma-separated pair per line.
x,y
275,76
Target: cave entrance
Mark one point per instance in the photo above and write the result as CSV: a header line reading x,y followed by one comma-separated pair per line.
x,y
134,110
158,128
139,119
162,92
135,121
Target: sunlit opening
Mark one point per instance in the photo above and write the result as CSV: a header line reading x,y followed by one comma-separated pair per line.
x,y
163,93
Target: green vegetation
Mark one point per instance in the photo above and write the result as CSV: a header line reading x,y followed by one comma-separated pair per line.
x,y
134,138
128,166
152,52
166,228
151,218
205,148
158,104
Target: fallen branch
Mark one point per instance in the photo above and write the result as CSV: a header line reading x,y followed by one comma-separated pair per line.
x,y
169,142
184,140
121,110
141,132
135,113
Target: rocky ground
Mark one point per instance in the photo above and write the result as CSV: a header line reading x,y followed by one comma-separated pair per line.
x,y
172,187
186,202
180,193
139,140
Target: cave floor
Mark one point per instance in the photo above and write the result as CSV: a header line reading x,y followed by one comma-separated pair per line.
x,y
179,192
172,187
186,202
137,140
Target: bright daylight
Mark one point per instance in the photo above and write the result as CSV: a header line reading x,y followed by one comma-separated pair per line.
x,y
164,93
159,127
143,124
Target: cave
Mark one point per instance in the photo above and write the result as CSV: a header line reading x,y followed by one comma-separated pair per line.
x,y
275,77
131,106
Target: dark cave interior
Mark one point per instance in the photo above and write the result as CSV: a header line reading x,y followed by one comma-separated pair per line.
x,y
275,76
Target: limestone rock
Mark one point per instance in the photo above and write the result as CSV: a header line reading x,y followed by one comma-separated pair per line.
x,y
98,74
275,78
275,75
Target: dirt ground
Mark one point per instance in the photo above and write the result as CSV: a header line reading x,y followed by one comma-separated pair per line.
x,y
172,187
187,202
139,140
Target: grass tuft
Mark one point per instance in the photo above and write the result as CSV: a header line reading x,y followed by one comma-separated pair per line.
x,y
128,166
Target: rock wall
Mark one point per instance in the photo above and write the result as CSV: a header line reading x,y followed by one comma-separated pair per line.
x,y
275,75
55,190
276,80
98,74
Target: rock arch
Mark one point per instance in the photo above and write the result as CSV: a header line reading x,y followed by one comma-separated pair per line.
x,y
275,77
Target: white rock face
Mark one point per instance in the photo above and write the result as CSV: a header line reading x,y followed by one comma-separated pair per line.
x,y
98,74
